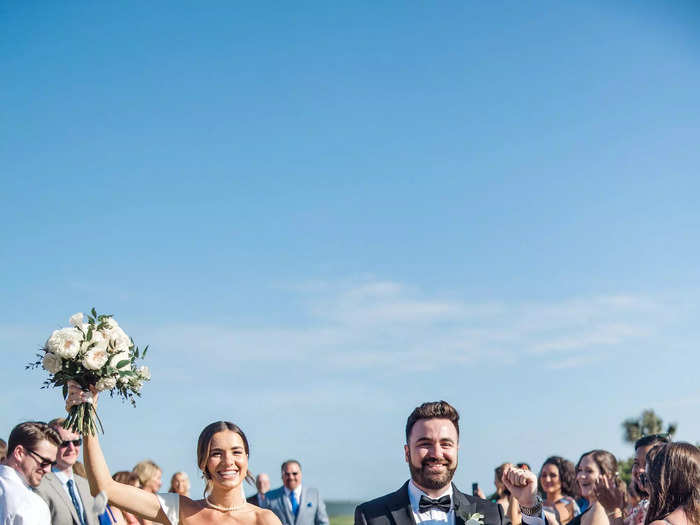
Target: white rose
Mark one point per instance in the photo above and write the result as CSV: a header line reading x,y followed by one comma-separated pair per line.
x,y
65,342
76,320
95,358
121,356
97,340
123,380
52,363
144,373
106,383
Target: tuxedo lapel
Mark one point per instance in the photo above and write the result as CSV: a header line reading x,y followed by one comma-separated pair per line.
x,y
462,504
400,507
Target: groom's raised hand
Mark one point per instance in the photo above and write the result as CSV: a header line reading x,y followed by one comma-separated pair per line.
x,y
522,484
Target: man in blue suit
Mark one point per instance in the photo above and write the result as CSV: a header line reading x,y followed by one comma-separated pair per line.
x,y
293,503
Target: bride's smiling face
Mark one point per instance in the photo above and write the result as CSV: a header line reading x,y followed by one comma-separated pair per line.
x,y
227,463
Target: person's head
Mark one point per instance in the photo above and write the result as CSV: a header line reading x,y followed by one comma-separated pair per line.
x,y
501,490
523,466
3,450
79,469
127,478
557,476
180,484
222,455
673,478
31,450
69,449
432,445
150,475
591,466
262,483
291,474
641,448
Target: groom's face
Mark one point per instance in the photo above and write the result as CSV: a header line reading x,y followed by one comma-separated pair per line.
x,y
431,453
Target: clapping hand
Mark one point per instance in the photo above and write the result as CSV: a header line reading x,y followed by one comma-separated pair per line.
x,y
609,494
522,484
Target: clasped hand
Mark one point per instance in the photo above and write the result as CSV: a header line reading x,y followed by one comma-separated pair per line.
x,y
522,484
77,396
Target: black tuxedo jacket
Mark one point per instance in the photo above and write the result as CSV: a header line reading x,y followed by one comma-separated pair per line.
x,y
395,509
253,499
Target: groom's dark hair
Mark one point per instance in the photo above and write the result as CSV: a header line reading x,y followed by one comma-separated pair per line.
x,y
432,410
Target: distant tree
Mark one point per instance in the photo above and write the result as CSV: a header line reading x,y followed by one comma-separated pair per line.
x,y
647,423
624,469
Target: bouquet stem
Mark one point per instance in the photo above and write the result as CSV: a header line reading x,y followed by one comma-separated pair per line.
x,y
83,419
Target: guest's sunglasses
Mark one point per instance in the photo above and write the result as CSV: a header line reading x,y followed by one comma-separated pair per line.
x,y
43,463
76,442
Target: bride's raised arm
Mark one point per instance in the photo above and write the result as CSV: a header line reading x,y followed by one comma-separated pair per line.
x,y
126,497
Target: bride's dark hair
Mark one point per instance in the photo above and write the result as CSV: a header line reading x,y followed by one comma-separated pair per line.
x,y
674,481
204,445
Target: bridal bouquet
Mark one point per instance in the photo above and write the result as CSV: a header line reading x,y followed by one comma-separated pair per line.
x,y
98,353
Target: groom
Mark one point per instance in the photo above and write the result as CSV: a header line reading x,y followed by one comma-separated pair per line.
x,y
429,497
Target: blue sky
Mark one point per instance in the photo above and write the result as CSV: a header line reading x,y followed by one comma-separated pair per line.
x,y
321,215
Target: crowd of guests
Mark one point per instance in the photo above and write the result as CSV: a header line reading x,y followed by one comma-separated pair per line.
x,y
42,481
591,491
29,472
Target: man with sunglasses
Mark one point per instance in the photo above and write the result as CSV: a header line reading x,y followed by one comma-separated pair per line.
x,y
67,494
31,451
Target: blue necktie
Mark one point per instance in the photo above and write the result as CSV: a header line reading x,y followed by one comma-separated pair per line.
x,y
74,498
294,502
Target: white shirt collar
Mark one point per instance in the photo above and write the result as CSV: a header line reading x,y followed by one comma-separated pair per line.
x,y
297,491
62,476
414,494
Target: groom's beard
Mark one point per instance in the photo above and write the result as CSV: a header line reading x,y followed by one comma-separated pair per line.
x,y
432,480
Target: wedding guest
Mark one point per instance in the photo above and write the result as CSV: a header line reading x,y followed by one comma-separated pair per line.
x,y
429,496
31,452
67,494
222,456
642,447
150,475
180,484
613,496
673,483
127,478
557,481
593,469
79,469
294,503
524,466
262,483
502,496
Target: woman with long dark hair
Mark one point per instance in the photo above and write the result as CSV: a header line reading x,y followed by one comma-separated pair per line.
x,y
673,482
557,483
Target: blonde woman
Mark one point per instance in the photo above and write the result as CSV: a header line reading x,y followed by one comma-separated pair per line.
x,y
180,484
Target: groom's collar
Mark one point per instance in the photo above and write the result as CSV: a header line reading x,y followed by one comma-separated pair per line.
x,y
415,492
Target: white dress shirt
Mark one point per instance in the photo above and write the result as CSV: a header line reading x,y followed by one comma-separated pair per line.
x,y
432,516
19,505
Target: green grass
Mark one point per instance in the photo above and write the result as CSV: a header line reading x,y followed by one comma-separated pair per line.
x,y
342,520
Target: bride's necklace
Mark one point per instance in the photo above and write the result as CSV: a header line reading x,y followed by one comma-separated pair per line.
x,y
222,508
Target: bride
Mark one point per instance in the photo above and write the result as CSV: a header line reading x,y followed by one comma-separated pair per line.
x,y
222,456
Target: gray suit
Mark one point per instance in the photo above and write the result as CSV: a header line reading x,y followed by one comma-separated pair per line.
x,y
61,507
312,509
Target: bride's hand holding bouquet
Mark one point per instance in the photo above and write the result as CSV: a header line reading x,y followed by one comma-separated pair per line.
x,y
94,354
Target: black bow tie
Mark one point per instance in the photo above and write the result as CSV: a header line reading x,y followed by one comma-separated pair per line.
x,y
426,503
